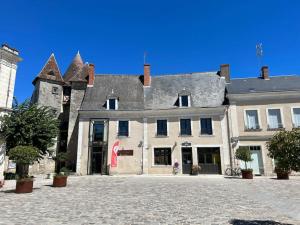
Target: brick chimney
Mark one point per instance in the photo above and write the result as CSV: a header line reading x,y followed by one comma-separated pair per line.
x,y
225,72
147,76
265,73
91,74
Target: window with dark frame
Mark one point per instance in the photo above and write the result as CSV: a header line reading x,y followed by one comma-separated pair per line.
x,y
123,128
162,128
185,127
112,104
98,134
206,126
184,100
162,156
55,90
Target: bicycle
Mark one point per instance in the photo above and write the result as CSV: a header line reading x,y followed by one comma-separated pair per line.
x,y
233,171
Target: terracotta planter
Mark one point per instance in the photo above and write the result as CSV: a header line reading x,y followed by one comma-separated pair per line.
x,y
247,174
24,186
60,181
282,175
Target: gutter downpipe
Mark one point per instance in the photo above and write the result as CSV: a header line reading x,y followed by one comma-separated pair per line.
x,y
228,136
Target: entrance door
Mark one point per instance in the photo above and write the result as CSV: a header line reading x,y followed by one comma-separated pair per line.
x,y
97,160
98,147
256,164
187,160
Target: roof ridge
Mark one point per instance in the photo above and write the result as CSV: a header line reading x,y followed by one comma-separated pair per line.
x,y
181,74
289,75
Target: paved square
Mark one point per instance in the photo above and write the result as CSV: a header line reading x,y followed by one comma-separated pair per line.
x,y
154,200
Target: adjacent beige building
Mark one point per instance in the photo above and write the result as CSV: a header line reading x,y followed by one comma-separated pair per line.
x,y
260,107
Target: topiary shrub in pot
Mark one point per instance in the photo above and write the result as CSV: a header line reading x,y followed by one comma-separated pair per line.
x,y
195,170
61,176
23,156
243,153
284,148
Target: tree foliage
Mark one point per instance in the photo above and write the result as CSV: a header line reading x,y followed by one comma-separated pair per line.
x,y
243,153
24,154
284,147
29,125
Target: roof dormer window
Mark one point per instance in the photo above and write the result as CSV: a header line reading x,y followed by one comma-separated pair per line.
x,y
112,104
184,101
184,98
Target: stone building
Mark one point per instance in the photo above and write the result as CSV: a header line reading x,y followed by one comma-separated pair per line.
x,y
156,121
259,107
9,58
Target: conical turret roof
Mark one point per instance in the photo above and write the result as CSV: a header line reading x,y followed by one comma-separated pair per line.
x,y
74,68
50,71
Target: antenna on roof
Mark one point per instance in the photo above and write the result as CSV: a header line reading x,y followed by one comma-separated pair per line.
x,y
259,54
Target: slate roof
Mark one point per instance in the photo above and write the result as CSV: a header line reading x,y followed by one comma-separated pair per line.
x,y
254,85
74,68
81,74
206,89
50,71
128,88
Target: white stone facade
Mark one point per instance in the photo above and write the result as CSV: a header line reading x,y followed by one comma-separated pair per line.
x,y
8,69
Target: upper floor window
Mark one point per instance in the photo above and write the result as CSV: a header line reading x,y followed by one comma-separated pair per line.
x,y
112,104
185,127
274,119
162,128
98,131
123,128
296,117
55,90
206,126
251,122
184,101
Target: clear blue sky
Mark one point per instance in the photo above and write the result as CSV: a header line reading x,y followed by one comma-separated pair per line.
x,y
179,36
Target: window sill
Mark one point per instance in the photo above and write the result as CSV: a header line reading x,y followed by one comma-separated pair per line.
x,y
161,136
252,130
122,136
275,129
206,135
185,135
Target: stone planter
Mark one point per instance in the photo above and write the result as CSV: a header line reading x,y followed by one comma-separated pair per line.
x,y
60,181
282,175
247,174
24,186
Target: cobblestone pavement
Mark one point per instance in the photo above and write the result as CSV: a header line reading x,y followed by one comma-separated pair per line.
x,y
154,200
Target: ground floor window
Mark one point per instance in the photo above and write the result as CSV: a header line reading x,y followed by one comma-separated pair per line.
x,y
162,156
209,160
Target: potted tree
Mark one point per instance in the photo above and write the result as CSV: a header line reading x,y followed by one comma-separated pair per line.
x,y
195,170
284,148
23,156
243,153
61,176
29,125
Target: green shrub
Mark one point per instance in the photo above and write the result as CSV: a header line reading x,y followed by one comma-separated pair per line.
x,y
243,153
284,147
23,156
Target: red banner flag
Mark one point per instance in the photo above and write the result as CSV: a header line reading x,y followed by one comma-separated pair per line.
x,y
114,154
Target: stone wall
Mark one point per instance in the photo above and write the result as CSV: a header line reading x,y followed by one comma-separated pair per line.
x,y
77,94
